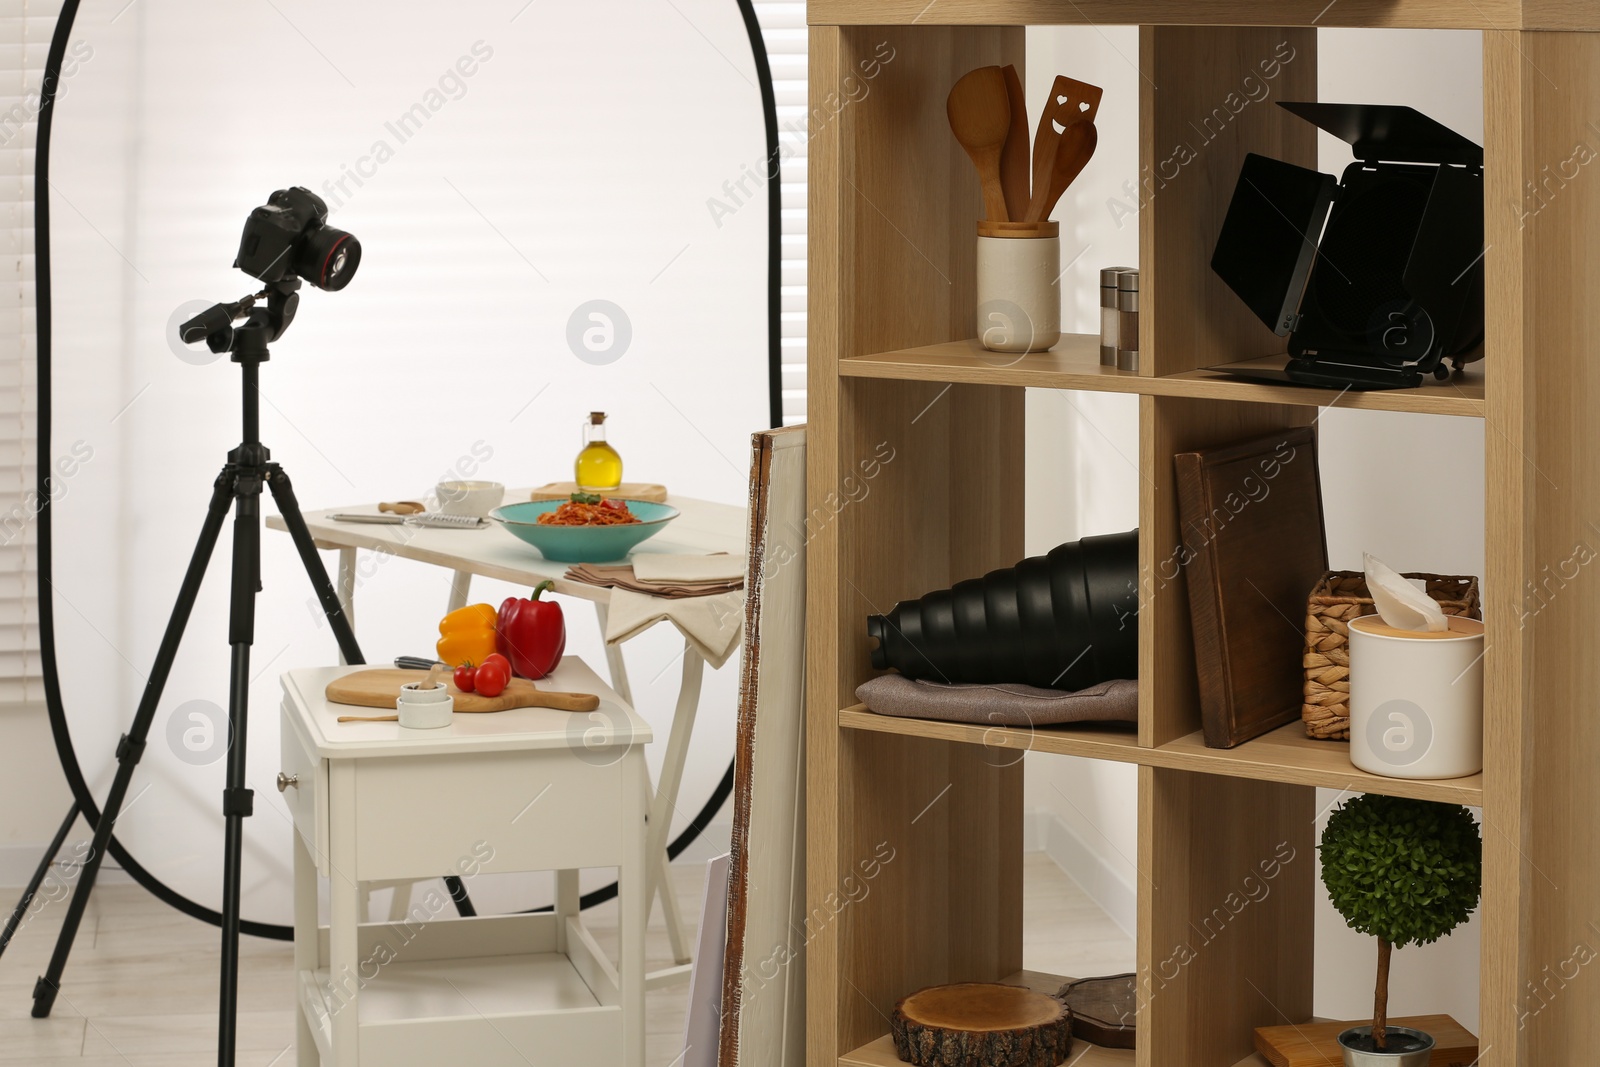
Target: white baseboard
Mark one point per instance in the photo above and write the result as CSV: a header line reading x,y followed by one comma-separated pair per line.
x,y
1102,882
18,862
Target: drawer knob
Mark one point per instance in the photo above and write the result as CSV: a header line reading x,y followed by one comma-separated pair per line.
x,y
286,780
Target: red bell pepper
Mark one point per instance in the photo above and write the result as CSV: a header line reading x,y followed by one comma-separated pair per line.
x,y
531,633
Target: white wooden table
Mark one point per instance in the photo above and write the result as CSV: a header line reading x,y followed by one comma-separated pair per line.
x,y
525,790
701,528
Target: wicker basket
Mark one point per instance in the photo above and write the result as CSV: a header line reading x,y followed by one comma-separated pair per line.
x,y
1339,597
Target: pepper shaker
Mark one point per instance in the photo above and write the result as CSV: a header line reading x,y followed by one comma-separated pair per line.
x,y
1128,315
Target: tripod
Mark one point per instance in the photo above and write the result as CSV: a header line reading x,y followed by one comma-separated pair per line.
x,y
238,488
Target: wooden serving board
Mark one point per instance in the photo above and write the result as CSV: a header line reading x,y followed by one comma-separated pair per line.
x,y
1317,1044
379,687
1104,1010
646,491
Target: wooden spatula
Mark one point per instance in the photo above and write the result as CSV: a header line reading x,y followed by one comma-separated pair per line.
x,y
379,687
1073,151
1070,101
980,117
1014,173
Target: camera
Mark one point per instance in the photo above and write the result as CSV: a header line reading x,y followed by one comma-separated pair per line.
x,y
289,234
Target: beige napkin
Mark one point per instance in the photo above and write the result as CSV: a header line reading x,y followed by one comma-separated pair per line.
x,y
711,624
621,576
678,570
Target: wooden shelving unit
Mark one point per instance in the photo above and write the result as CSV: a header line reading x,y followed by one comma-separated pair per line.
x,y
892,204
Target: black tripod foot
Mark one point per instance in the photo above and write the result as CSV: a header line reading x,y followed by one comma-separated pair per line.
x,y
44,998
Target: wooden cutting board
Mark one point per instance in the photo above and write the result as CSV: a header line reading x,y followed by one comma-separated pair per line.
x,y
379,687
646,491
1104,1010
1317,1044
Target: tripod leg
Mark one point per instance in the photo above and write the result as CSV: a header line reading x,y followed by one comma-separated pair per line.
x,y
38,877
238,801
131,747
289,508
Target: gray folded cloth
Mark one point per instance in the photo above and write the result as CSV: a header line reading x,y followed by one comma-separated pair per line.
x,y
1005,704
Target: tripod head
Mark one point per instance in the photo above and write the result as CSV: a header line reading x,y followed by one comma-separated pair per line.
x,y
261,325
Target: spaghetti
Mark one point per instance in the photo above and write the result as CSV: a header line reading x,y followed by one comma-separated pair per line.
x,y
590,512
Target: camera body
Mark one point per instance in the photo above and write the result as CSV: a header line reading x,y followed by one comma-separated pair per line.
x,y
289,234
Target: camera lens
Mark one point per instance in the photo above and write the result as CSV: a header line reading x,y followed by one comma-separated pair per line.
x,y
327,258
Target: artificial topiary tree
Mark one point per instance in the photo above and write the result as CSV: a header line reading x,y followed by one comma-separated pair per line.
x,y
1404,871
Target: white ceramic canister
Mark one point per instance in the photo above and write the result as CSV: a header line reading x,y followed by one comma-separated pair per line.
x,y
1019,290
1416,699
424,709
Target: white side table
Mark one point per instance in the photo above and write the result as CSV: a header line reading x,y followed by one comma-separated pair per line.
x,y
525,790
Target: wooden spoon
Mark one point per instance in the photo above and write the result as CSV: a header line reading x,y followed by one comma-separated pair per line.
x,y
1070,101
980,117
1014,173
1073,150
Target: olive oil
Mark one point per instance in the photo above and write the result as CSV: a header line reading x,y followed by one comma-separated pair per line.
x,y
599,468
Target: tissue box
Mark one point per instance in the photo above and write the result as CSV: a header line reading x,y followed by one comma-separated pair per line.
x,y
1339,597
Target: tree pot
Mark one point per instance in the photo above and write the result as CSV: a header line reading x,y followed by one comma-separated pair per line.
x,y
1407,1048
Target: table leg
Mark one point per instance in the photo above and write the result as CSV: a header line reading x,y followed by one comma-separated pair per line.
x,y
400,903
614,664
567,904
305,948
460,589
347,586
344,915
666,798
632,915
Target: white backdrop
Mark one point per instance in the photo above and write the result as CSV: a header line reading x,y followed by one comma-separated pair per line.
x,y
547,161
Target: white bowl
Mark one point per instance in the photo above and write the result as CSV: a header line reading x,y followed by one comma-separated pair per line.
x,y
469,498
424,709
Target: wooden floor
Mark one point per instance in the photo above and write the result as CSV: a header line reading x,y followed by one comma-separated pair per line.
x,y
141,988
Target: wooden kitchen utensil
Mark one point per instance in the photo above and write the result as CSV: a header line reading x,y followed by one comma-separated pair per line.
x,y
379,687
402,507
981,1023
980,117
1070,101
1073,151
1014,173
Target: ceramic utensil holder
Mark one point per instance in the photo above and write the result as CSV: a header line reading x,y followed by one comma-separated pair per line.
x,y
424,709
1019,291
1416,699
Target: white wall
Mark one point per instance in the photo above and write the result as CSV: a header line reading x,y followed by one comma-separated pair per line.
x,y
1408,488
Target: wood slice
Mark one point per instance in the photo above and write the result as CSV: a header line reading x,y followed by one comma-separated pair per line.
x,y
981,1024
1104,1010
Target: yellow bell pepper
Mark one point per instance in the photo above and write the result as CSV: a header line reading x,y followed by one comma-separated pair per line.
x,y
466,635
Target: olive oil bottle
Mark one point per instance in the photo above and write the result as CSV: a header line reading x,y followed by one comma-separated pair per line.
x,y
599,468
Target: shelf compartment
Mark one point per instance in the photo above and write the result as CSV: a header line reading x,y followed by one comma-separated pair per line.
x,y
1075,364
1461,395
1283,755
880,1052
1288,755
1094,742
1430,14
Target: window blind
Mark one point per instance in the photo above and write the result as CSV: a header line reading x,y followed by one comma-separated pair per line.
x,y
783,26
25,28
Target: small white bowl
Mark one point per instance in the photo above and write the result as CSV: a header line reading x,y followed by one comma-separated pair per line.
x,y
469,498
424,709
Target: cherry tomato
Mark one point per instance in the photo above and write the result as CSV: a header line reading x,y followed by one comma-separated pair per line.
x,y
495,657
492,678
464,677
